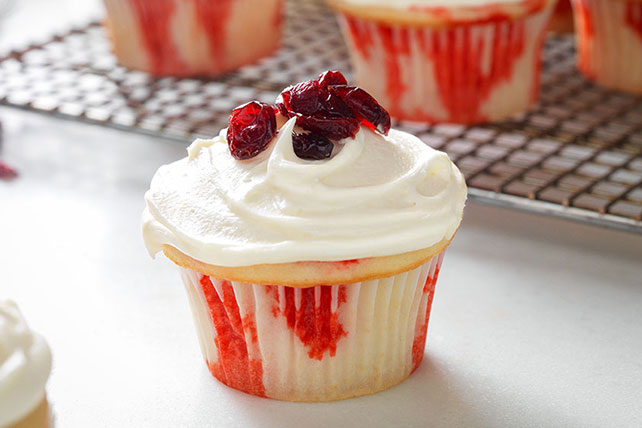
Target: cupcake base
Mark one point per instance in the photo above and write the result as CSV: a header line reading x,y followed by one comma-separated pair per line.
x,y
609,40
463,73
321,343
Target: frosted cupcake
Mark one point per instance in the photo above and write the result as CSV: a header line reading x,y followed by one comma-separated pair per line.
x,y
309,241
562,19
609,42
192,37
462,61
25,363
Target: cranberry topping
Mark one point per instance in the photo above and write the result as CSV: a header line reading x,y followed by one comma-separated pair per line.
x,y
364,106
251,128
311,146
328,78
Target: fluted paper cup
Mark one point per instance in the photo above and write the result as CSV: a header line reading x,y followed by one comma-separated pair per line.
x,y
609,42
467,73
320,343
192,37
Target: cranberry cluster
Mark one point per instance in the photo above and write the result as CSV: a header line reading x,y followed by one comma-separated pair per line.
x,y
327,108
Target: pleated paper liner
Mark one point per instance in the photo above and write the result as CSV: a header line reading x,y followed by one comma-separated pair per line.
x,y
321,343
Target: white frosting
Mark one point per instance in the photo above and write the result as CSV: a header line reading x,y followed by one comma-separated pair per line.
x,y
376,196
25,363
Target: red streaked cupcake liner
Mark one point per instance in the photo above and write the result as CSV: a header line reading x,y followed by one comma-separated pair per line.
x,y
609,42
468,73
192,37
321,343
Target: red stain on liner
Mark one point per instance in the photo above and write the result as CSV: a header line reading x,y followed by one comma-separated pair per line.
x,y
361,35
490,13
234,366
463,85
317,327
155,23
212,17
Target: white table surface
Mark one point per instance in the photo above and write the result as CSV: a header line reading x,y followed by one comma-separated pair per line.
x,y
537,322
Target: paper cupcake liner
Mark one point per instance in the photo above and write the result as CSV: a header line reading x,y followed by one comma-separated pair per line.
x,y
321,343
186,37
609,42
562,19
468,73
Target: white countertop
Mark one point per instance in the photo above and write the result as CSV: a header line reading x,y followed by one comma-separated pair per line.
x,y
537,322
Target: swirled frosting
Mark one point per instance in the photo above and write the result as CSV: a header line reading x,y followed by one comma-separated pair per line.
x,y
376,196
25,363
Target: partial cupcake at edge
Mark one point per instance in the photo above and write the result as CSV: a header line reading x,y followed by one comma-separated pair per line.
x,y
25,364
309,237
192,37
458,61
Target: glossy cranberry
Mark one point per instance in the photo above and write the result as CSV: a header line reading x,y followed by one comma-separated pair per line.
x,y
329,107
307,98
364,106
328,78
311,146
251,128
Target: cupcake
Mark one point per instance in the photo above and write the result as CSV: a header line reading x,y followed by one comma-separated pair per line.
x,y
562,19
461,61
192,37
309,238
609,42
25,363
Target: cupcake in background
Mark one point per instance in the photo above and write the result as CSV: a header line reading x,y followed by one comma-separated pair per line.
x,y
609,42
562,19
25,364
192,37
309,242
454,61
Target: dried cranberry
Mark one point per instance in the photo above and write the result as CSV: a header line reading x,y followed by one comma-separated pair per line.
x,y
364,107
333,128
334,106
329,107
306,98
311,146
328,78
251,128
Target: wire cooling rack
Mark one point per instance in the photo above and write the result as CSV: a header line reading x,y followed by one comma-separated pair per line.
x,y
577,155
